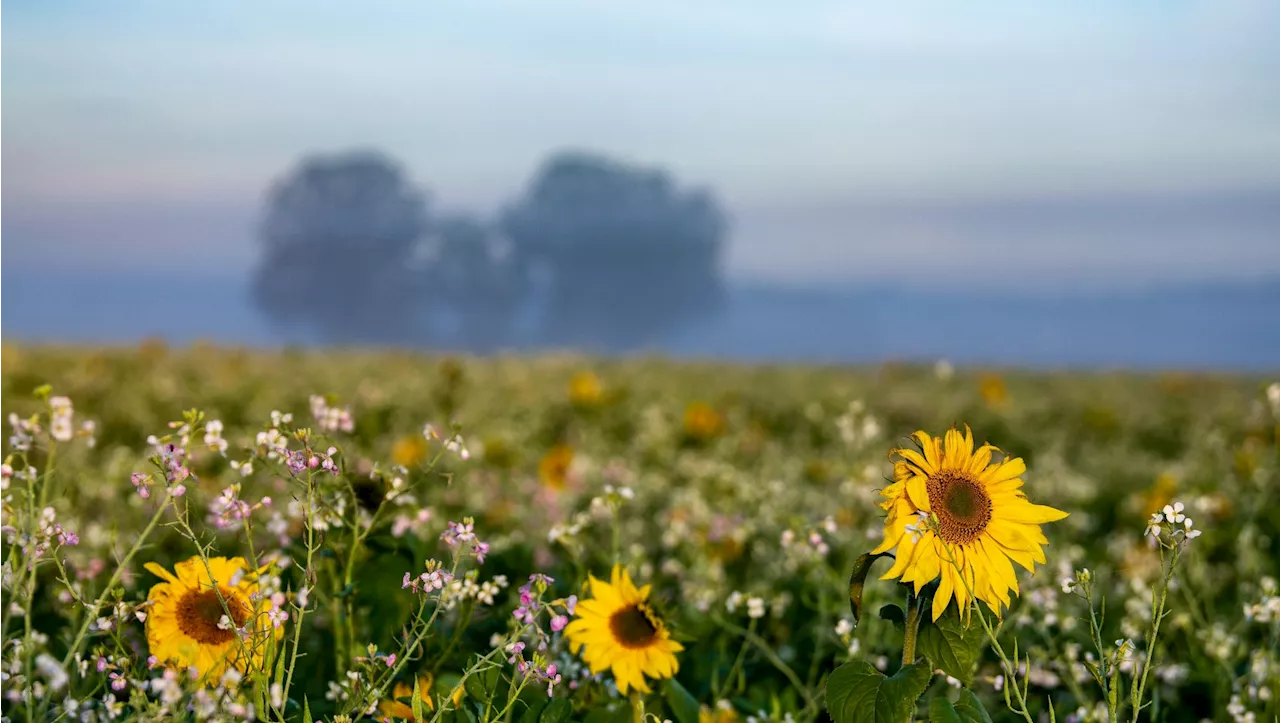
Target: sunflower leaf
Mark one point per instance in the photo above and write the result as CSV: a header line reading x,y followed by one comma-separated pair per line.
x,y
970,708
951,645
966,710
894,614
858,693
858,578
683,705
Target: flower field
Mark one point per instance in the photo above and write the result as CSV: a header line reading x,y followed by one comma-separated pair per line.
x,y
218,534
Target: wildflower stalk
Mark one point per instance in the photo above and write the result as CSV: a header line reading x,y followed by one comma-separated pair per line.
x,y
112,582
773,658
461,685
306,575
1158,597
735,669
390,675
464,619
1011,687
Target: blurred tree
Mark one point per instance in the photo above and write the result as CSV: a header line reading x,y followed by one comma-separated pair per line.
x,y
623,256
473,286
336,243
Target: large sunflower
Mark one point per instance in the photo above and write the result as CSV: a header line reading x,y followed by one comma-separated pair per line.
x,y
620,631
953,511
185,625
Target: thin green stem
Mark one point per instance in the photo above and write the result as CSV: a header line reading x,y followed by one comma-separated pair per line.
x,y
773,658
111,583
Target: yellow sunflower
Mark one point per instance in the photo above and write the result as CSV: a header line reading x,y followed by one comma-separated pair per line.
x,y
953,507
620,631
183,620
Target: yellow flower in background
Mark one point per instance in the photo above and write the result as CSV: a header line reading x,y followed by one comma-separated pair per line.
x,y
622,633
1160,494
553,469
400,705
409,450
185,620
993,390
723,713
702,422
950,507
585,389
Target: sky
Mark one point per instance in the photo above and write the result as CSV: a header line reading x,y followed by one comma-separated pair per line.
x,y
1069,143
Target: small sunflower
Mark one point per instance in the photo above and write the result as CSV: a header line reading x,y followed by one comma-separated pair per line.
x,y
993,390
977,517
620,631
585,389
702,422
409,450
553,469
185,625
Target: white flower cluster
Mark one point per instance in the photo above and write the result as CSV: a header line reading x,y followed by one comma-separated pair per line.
x,y
1171,525
213,438
330,419
1266,610
756,605
453,442
856,425
468,589
1238,713
60,414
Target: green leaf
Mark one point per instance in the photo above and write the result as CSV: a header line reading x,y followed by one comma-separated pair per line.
x,y
970,708
416,703
683,705
966,710
618,713
894,614
483,684
858,693
534,711
951,645
306,706
557,711
858,578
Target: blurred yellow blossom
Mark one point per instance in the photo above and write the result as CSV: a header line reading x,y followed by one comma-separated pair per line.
x,y
553,470
701,422
585,389
409,450
993,390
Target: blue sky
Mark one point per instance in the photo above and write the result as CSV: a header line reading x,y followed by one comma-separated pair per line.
x,y
849,140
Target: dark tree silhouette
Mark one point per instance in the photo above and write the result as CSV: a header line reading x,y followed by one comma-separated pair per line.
x,y
337,239
626,256
473,286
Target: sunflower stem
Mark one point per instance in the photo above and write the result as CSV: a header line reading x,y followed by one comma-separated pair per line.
x,y
637,706
910,629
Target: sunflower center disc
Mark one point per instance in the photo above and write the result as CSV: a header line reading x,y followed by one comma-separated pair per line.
x,y
200,610
633,627
961,505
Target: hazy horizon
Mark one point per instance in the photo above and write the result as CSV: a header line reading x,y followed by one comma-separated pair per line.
x,y
1070,145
